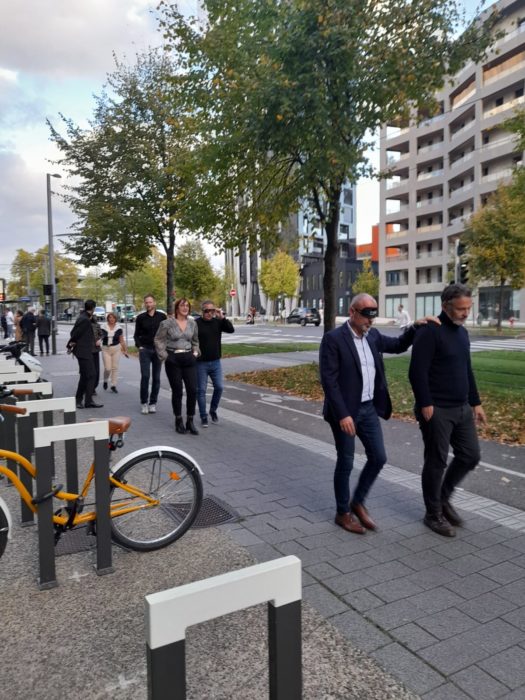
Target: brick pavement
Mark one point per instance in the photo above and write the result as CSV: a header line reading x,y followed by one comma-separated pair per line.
x,y
445,617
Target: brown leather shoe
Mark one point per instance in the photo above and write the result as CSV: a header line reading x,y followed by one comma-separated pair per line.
x,y
362,514
348,523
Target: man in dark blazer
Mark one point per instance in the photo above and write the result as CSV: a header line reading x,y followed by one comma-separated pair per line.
x,y
356,395
82,343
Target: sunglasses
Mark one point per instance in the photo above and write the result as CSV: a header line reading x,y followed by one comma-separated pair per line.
x,y
208,311
370,312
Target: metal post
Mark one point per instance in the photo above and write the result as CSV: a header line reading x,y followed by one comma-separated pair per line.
x,y
284,641
51,252
46,538
25,426
102,505
167,671
71,455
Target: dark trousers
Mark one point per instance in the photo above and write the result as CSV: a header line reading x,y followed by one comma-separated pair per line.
x,y
86,382
149,364
96,366
29,338
454,427
369,431
43,340
181,368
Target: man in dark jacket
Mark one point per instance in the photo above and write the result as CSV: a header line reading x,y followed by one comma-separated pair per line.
x,y
82,343
447,407
146,326
356,395
28,326
212,324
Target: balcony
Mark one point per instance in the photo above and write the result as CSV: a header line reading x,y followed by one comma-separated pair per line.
x,y
499,142
468,125
396,234
392,184
429,202
510,35
426,176
396,257
464,98
504,107
393,160
498,175
429,229
503,73
429,149
460,190
426,254
391,208
464,159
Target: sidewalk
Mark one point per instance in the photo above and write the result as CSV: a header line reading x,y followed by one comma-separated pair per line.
x,y
444,618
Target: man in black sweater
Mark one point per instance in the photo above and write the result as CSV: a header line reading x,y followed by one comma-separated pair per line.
x,y
212,324
146,326
447,407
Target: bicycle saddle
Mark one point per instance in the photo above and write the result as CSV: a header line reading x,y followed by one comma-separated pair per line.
x,y
117,424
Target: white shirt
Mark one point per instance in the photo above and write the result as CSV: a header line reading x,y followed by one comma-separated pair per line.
x,y
368,367
403,318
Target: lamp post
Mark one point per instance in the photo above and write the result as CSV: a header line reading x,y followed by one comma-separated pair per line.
x,y
51,252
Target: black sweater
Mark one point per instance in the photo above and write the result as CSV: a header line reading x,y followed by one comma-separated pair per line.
x,y
440,368
146,327
210,337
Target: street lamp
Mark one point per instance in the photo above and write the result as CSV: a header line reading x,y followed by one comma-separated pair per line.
x,y
51,252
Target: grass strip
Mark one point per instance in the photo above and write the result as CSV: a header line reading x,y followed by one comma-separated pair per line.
x,y
242,349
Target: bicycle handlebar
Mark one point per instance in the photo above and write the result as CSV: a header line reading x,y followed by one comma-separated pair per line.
x,y
8,408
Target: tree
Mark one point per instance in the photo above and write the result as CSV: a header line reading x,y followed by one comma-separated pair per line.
x,y
33,269
133,168
495,242
193,275
366,282
279,276
285,95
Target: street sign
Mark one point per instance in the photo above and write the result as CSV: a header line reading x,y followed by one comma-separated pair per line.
x,y
233,292
129,299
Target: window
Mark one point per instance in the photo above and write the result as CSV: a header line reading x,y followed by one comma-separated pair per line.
x,y
518,92
344,229
341,279
499,101
486,138
485,170
392,302
428,305
340,306
348,197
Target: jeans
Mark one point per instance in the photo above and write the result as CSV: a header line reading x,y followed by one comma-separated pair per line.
x,y
149,362
213,370
369,431
180,368
452,426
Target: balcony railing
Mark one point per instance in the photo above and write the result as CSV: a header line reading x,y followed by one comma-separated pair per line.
x,y
468,125
399,210
396,257
429,202
427,229
464,98
503,73
429,254
396,234
498,175
392,160
390,184
499,142
426,176
458,161
502,108
428,149
460,190
510,35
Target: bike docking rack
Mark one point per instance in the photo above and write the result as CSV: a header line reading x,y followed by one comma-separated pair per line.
x,y
44,440
169,613
26,424
15,377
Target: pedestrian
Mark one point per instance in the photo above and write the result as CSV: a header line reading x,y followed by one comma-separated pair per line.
x,y
18,325
28,325
403,319
447,407
113,346
356,395
177,344
43,327
4,324
146,326
82,344
212,324
97,332
10,319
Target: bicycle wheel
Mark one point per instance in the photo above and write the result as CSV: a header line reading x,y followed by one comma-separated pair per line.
x,y
4,529
170,479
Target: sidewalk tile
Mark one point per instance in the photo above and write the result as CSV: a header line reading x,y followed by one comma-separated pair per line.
x,y
432,577
422,560
453,655
356,562
516,618
347,583
447,623
395,614
472,586
408,668
322,571
413,637
362,600
364,635
393,550
488,606
499,553
468,564
447,691
436,599
395,589
478,684
504,573
323,600
515,592
507,667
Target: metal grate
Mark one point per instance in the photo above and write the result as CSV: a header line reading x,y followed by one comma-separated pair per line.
x,y
76,540
213,511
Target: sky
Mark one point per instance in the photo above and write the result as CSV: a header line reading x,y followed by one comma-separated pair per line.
x,y
53,58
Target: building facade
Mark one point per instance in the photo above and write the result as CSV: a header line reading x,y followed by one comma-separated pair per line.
x,y
443,169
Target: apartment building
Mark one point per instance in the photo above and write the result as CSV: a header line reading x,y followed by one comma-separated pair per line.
x,y
443,169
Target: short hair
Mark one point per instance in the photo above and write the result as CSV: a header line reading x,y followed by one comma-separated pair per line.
x,y
361,297
112,313
180,301
148,296
455,291
89,305
206,302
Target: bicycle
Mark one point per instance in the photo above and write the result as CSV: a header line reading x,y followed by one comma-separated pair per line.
x,y
155,493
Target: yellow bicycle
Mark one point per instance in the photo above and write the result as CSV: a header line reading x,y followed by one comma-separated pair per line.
x,y
155,493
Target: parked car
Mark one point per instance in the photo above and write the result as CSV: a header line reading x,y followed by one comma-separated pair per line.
x,y
302,316
99,313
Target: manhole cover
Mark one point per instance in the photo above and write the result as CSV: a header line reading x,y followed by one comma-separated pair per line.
x,y
73,541
213,511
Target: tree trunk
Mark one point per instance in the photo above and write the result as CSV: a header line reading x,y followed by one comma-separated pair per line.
x,y
500,310
330,262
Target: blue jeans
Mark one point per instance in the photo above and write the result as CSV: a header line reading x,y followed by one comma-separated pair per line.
x,y
213,370
149,362
369,431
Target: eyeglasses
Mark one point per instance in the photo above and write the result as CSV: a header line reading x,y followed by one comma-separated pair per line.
x,y
208,311
368,312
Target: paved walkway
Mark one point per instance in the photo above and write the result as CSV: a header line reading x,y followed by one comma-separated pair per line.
x,y
444,619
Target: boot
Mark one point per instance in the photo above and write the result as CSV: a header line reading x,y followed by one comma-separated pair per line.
x,y
179,425
190,427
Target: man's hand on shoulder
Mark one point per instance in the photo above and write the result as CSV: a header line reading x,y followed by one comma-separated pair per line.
x,y
427,319
347,425
479,415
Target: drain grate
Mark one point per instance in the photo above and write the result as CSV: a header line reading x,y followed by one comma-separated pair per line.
x,y
214,511
73,541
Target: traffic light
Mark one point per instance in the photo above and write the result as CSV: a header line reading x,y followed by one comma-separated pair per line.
x,y
463,272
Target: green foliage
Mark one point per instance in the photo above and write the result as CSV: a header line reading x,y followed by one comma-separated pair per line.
x,y
193,275
366,282
284,96
35,268
133,169
279,276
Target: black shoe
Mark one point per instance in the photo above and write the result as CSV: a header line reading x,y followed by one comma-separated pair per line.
x,y
105,385
80,404
114,389
438,524
94,405
190,427
214,417
204,421
451,514
179,426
